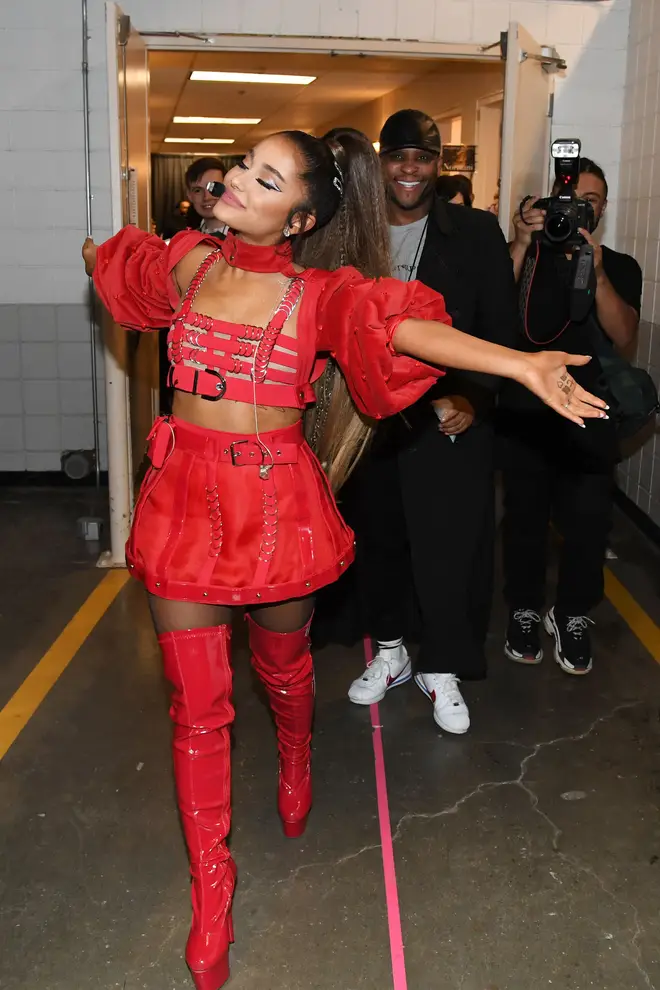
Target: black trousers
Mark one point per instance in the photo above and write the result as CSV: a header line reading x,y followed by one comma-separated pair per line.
x,y
555,472
425,530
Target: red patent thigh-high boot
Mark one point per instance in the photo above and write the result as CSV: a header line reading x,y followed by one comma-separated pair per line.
x,y
283,662
197,663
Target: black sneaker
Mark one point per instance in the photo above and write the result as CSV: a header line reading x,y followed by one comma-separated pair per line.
x,y
572,641
522,638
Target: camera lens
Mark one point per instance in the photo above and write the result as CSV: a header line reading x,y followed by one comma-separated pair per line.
x,y
558,228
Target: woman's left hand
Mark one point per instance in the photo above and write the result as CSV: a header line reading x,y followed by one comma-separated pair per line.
x,y
89,256
546,375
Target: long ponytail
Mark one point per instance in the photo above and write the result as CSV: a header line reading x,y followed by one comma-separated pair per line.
x,y
355,234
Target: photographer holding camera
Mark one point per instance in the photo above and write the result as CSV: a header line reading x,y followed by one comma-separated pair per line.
x,y
577,296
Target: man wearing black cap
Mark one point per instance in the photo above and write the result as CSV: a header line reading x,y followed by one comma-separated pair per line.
x,y
425,494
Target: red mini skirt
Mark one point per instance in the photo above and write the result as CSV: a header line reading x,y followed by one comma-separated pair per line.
x,y
228,519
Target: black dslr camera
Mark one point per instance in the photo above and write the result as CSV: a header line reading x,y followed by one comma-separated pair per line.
x,y
565,213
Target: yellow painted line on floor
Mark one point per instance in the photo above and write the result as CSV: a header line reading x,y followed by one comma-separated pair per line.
x,y
21,707
642,625
23,704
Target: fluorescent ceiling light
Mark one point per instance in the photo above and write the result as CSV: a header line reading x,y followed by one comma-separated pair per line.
x,y
216,120
251,77
180,140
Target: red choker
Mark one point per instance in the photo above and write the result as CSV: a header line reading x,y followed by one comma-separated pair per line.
x,y
256,257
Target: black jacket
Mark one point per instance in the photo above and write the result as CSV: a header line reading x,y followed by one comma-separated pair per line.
x,y
466,259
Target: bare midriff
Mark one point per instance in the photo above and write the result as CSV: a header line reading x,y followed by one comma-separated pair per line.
x,y
231,417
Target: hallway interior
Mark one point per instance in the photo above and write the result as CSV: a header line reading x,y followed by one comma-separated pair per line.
x,y
526,852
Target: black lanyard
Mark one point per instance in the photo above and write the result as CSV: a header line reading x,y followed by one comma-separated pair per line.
x,y
422,239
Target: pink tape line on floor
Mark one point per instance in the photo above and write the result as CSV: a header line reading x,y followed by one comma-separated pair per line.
x,y
389,870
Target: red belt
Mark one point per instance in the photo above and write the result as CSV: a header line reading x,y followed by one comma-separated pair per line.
x,y
223,447
242,452
211,385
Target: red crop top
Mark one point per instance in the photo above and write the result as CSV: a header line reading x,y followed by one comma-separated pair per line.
x,y
214,359
341,313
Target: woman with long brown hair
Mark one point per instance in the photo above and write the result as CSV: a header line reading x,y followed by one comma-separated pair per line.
x,y
236,510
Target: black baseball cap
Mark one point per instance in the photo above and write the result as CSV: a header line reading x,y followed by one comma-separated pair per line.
x,y
410,129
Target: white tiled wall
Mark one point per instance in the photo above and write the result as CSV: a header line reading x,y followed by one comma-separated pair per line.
x,y
45,385
42,284
639,222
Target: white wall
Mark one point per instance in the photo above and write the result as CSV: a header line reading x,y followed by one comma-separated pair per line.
x,y
639,223
42,169
436,93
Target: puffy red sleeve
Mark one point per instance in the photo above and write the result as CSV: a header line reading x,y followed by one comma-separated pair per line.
x,y
133,276
356,320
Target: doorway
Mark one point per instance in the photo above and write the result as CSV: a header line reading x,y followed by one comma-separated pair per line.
x,y
450,127
191,115
489,149
354,83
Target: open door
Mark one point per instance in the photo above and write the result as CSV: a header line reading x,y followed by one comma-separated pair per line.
x,y
133,96
131,358
489,143
526,120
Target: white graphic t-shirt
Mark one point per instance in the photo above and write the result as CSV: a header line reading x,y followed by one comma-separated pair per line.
x,y
407,244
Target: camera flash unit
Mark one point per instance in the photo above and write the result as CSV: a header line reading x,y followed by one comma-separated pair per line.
x,y
566,148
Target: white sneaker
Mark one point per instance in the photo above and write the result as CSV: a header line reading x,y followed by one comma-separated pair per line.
x,y
449,709
389,668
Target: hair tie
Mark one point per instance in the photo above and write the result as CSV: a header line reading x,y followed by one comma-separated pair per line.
x,y
339,156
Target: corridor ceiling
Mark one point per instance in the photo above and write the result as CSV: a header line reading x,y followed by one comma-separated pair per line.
x,y
343,83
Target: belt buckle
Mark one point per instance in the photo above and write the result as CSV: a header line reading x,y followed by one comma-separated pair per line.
x,y
221,386
237,458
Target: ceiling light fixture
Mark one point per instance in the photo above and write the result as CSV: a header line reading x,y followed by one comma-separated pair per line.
x,y
181,140
216,120
251,77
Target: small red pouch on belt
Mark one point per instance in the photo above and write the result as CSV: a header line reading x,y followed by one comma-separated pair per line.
x,y
161,442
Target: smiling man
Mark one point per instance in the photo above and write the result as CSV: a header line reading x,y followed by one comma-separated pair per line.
x,y
410,150
200,174
424,496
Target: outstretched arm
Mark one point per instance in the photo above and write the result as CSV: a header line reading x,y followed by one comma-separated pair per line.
x,y
544,374
374,328
134,272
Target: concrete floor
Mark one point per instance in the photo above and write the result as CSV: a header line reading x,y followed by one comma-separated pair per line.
x,y
527,852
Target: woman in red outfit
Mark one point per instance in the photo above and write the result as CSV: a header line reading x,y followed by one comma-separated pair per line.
x,y
236,510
